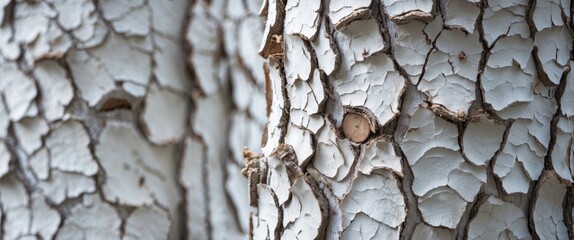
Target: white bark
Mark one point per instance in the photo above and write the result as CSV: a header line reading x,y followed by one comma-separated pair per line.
x,y
457,105
367,119
115,118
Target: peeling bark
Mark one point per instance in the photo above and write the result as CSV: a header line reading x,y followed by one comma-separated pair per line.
x,y
286,119
473,96
107,116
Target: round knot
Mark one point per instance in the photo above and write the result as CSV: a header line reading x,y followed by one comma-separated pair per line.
x,y
356,127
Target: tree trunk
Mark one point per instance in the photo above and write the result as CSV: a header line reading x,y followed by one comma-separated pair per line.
x,y
416,120
384,119
127,119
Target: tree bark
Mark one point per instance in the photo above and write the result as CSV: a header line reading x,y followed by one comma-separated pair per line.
x,y
127,119
361,119
416,120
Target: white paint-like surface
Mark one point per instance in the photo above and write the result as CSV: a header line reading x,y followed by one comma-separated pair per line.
x,y
81,224
267,222
451,72
55,88
497,218
562,154
372,83
462,14
164,124
191,177
301,141
4,159
137,172
299,213
297,59
29,132
333,156
482,137
302,18
18,91
547,212
147,223
401,11
343,12
326,50
374,199
381,154
69,150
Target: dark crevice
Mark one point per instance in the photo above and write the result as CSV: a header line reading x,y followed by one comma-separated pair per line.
x,y
182,206
414,216
471,210
492,161
483,60
568,207
390,127
555,119
529,19
531,200
285,114
205,191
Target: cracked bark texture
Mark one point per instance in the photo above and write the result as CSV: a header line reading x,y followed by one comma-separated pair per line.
x,y
365,119
127,119
423,119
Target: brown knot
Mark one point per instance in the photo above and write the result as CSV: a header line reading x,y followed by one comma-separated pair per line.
x,y
356,127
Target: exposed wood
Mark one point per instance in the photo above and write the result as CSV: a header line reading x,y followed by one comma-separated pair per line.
x,y
356,127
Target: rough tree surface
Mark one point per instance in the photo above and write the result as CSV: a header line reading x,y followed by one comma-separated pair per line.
x,y
364,119
423,119
117,121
